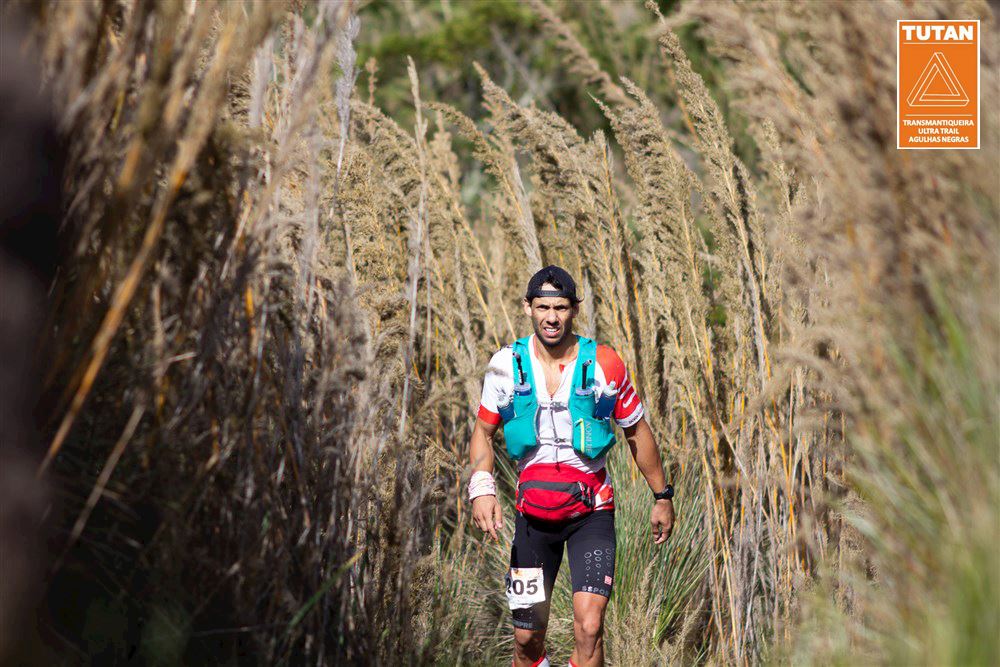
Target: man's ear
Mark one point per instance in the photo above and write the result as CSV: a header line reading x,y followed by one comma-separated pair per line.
x,y
527,307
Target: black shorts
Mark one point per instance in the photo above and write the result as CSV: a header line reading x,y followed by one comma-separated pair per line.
x,y
537,552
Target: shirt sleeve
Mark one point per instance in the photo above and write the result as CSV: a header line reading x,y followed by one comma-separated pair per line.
x,y
628,409
496,373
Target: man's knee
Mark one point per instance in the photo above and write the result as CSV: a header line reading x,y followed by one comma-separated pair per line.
x,y
529,643
589,625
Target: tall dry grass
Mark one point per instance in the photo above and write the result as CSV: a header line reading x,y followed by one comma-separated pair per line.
x,y
267,347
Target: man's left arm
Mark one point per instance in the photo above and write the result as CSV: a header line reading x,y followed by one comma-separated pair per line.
x,y
647,457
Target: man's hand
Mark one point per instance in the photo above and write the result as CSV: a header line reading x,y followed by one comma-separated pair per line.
x,y
487,515
662,518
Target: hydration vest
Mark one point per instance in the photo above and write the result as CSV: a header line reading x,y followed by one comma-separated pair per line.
x,y
592,436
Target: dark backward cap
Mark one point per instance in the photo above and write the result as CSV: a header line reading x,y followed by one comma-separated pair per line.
x,y
558,278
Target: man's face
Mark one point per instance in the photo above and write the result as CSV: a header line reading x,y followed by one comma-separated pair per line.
x,y
551,316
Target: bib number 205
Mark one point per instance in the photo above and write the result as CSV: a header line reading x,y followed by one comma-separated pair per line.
x,y
525,587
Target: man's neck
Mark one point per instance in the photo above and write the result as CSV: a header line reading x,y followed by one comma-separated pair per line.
x,y
561,353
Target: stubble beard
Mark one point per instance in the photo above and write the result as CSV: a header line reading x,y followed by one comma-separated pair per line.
x,y
539,334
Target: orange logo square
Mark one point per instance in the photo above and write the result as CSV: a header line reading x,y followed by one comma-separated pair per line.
x,y
937,84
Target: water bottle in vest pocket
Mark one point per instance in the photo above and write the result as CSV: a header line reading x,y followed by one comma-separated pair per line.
x,y
606,398
505,406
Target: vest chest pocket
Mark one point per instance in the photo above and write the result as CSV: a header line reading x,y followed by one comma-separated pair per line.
x,y
519,434
592,437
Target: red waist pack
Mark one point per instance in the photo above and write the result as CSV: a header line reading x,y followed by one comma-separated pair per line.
x,y
555,492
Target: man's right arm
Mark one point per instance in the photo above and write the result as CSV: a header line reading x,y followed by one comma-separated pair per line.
x,y
481,447
485,509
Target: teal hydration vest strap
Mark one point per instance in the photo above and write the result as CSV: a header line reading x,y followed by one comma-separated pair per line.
x,y
592,437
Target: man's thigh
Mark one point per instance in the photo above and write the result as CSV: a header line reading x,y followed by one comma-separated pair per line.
x,y
534,563
591,548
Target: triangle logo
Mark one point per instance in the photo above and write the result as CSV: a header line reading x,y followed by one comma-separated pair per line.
x,y
938,75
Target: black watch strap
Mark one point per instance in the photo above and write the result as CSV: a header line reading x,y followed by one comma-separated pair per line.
x,y
666,494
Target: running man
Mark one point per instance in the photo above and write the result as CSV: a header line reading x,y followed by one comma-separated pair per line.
x,y
555,394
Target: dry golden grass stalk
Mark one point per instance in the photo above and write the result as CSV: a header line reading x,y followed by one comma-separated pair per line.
x,y
578,60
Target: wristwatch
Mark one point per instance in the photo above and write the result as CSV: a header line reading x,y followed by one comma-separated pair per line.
x,y
666,494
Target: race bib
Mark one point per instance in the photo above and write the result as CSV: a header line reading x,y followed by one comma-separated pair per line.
x,y
525,587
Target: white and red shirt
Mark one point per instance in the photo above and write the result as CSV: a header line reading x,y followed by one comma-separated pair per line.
x,y
554,426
